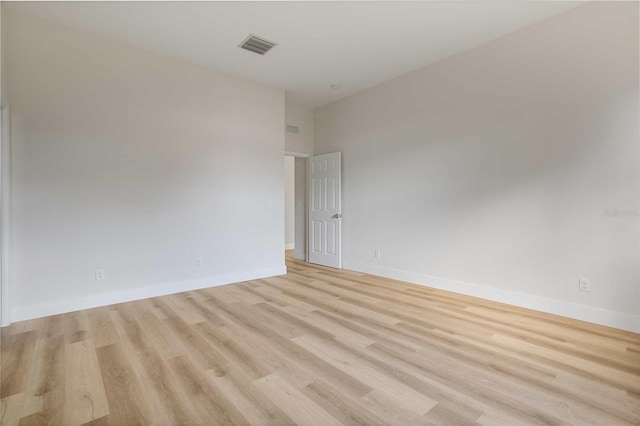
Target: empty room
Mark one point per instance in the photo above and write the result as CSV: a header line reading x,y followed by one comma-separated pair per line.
x,y
319,213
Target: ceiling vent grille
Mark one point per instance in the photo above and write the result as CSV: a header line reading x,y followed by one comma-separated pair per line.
x,y
256,44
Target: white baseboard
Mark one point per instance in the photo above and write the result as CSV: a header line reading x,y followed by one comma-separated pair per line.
x,y
300,255
290,246
620,320
54,307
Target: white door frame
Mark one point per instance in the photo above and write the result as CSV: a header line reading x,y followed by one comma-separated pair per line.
x,y
5,219
297,154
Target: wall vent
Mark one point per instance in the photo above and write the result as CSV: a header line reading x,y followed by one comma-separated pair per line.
x,y
256,44
292,129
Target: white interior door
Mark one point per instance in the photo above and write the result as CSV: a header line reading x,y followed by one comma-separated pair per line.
x,y
325,210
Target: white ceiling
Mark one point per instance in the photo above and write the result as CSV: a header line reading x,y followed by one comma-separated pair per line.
x,y
355,44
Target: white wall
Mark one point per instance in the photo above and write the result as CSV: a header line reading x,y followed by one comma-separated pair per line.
x,y
302,117
138,164
289,203
491,172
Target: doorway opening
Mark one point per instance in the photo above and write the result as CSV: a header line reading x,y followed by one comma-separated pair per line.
x,y
289,203
295,209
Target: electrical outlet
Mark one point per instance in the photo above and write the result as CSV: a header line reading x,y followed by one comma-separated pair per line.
x,y
584,284
377,253
100,275
199,262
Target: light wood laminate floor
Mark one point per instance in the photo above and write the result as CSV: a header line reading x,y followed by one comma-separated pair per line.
x,y
317,347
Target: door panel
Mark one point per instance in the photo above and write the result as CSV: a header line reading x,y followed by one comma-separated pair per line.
x,y
316,190
331,194
316,236
325,223
331,241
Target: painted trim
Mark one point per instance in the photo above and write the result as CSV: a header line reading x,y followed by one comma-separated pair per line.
x,y
54,307
5,220
290,246
297,154
299,254
619,320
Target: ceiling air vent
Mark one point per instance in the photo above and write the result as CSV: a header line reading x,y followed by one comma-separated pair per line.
x,y
292,129
257,44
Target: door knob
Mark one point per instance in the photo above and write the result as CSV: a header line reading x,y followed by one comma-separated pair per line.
x,y
336,216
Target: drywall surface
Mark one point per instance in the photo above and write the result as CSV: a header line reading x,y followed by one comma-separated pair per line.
x,y
507,171
301,117
137,164
289,203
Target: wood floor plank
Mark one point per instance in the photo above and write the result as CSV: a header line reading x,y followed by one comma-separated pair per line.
x,y
616,401
295,353
208,400
392,409
76,326
102,330
16,353
293,402
469,381
419,403
205,355
237,352
166,406
11,409
46,386
52,326
347,410
317,346
126,401
250,401
625,379
44,417
178,303
84,394
447,413
162,339
196,302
